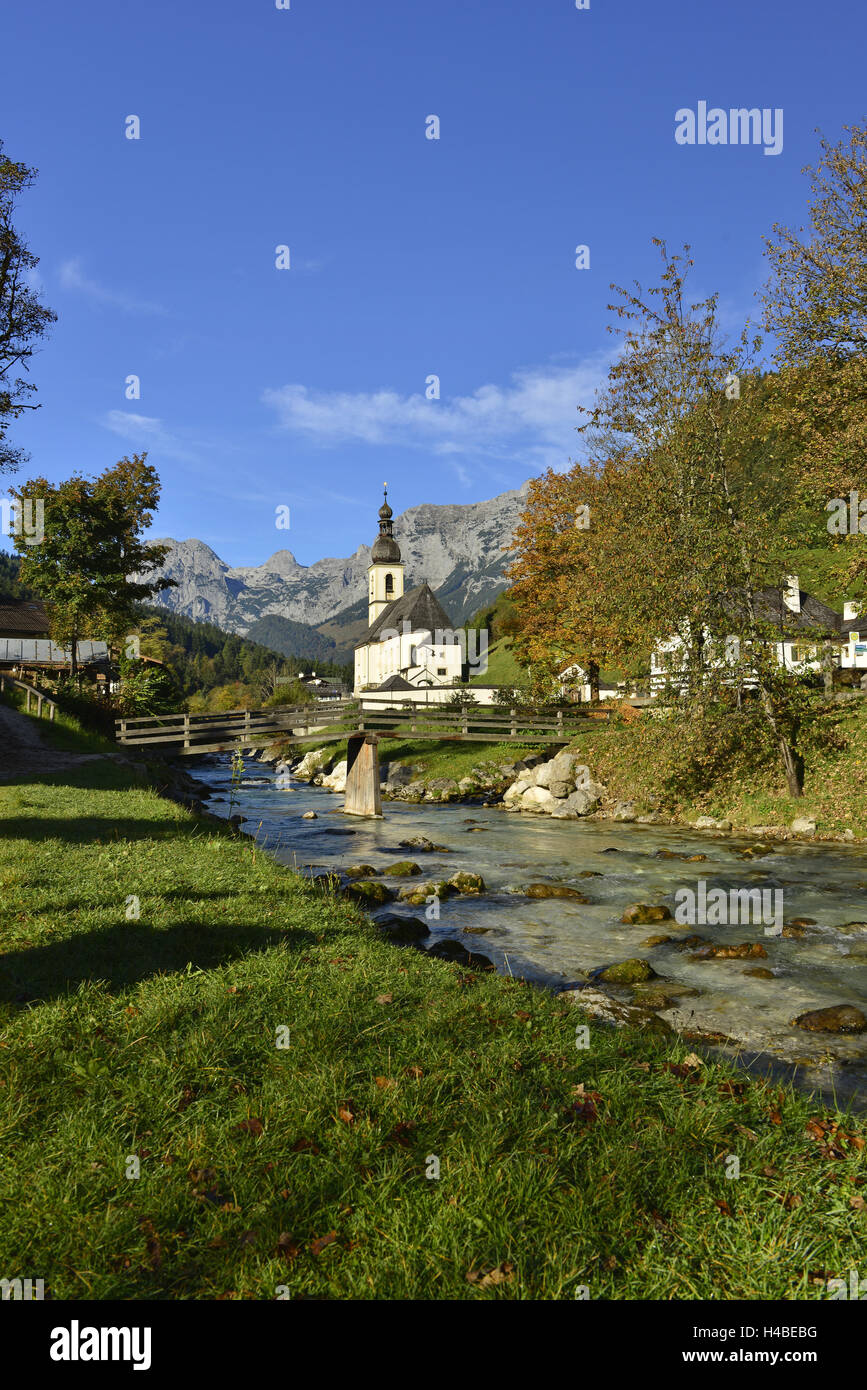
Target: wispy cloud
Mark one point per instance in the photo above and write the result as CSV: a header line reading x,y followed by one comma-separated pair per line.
x,y
73,278
533,417
146,432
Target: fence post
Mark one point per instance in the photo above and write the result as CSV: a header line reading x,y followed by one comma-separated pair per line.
x,y
123,731
514,728
39,706
247,727
52,709
559,721
186,731
465,722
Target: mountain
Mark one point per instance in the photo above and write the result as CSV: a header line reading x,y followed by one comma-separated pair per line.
x,y
458,549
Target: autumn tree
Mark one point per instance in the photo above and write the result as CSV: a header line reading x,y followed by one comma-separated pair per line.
x,y
23,317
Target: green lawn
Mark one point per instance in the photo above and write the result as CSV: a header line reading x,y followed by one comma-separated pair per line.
x,y
304,1168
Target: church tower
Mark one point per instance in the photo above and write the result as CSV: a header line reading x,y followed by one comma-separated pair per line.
x,y
385,571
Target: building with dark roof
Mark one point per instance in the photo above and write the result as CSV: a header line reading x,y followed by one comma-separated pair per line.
x,y
807,634
25,640
409,636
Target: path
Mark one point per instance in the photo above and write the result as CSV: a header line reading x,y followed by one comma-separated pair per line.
x,y
23,753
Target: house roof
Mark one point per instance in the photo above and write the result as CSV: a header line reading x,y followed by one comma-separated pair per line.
x,y
771,608
26,617
395,683
15,651
417,607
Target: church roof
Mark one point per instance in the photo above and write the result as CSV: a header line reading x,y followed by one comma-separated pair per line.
x,y
418,607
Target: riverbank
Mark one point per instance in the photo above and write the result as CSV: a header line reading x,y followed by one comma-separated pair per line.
x,y
638,765
310,1165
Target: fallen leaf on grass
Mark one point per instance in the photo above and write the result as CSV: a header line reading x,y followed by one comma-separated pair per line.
x,y
501,1274
857,1203
522,1015
789,1200
402,1133
251,1126
346,1113
693,1060
384,998
317,1246
384,1082
414,1071
723,1206
288,1248
301,1144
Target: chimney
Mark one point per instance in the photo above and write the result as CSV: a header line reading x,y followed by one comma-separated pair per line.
x,y
792,594
850,611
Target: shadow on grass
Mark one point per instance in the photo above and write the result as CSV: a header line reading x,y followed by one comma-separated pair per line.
x,y
86,829
127,954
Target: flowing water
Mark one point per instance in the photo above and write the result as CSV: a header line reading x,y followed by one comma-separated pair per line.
x,y
555,942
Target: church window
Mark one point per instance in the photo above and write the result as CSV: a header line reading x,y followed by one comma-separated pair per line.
x,y
389,585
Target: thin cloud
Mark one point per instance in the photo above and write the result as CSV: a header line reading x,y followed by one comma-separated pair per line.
x,y
533,417
146,432
73,278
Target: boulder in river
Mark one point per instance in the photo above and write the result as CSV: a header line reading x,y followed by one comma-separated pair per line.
x,y
841,1018
626,972
361,871
404,868
554,890
369,894
463,882
404,930
641,914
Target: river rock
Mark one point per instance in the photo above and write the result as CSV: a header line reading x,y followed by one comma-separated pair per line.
x,y
626,972
403,930
361,871
711,823
459,955
623,811
652,941
803,825
642,914
312,763
554,890
426,846
309,815
607,1010
560,789
759,972
536,799
404,868
336,779
369,894
841,1018
418,893
744,950
463,882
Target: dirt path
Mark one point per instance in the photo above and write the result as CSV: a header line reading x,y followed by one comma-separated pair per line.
x,y
23,753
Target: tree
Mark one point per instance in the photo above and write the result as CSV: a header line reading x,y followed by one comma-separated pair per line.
x,y
692,511
92,564
816,299
23,317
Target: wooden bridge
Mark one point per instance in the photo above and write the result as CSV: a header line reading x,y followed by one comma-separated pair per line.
x,y
360,725
189,734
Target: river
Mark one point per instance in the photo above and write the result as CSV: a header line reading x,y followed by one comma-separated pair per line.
x,y
556,942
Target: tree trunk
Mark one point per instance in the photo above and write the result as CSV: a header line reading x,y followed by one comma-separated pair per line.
x,y
792,759
593,677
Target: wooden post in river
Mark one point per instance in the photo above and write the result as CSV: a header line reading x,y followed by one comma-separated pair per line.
x,y
362,776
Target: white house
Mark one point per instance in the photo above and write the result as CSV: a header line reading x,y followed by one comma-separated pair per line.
x,y
811,636
409,644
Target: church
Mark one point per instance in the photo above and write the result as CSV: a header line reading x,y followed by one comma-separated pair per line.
x,y
409,643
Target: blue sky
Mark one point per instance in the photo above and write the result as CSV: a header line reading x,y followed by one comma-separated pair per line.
x,y
409,257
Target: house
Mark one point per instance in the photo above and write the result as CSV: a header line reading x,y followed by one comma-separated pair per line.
x,y
26,645
409,640
810,637
575,685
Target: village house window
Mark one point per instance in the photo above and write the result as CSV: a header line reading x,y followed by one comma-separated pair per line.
x,y
441,670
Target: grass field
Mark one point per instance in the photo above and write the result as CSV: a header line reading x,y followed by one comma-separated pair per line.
x,y
150,1045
